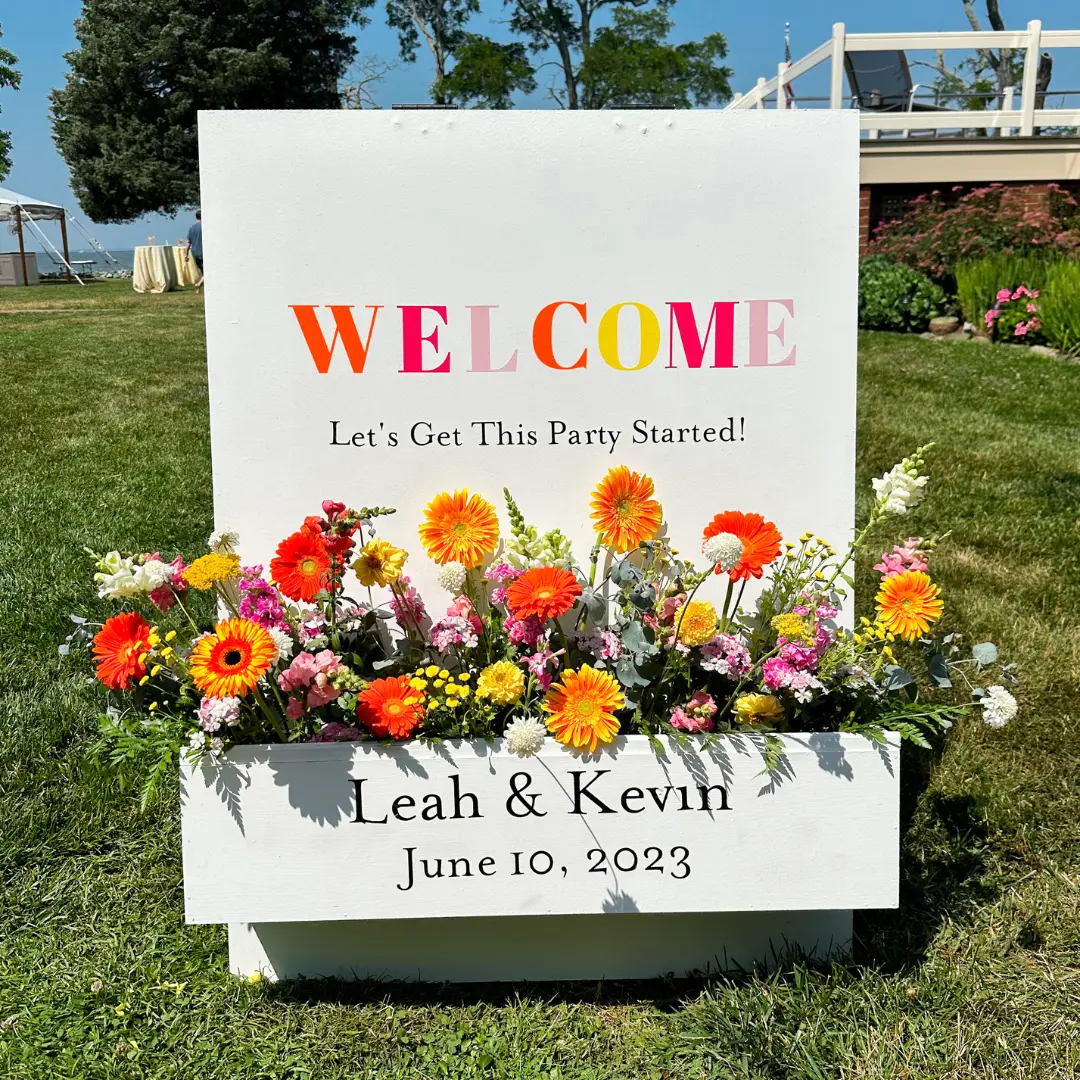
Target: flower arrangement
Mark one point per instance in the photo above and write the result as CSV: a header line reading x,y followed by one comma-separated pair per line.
x,y
1015,315
333,641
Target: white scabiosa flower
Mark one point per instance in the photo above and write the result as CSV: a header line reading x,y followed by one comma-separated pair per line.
x,y
999,706
723,550
224,541
283,642
452,577
525,736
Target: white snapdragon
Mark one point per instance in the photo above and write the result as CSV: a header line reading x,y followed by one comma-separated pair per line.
x,y
452,577
903,487
115,578
525,736
224,541
723,550
999,706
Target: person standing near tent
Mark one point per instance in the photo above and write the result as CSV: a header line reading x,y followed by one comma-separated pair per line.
x,y
193,248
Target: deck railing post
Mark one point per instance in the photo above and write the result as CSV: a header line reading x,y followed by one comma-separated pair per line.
x,y
1007,104
781,97
836,86
1031,75
760,103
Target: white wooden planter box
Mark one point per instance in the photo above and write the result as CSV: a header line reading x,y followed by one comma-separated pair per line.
x,y
461,861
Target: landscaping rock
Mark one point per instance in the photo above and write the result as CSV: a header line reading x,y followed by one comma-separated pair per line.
x,y
1045,350
944,324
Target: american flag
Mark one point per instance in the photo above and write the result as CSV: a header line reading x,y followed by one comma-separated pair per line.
x,y
789,94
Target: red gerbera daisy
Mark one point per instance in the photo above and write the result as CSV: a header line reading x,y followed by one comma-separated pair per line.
x,y
545,592
301,564
118,646
390,707
760,541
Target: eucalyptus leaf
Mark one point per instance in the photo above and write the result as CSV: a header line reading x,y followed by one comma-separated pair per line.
x,y
628,674
938,670
643,596
625,573
984,653
595,604
635,641
896,677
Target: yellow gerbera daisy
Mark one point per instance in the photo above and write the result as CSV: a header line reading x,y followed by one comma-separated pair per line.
x,y
582,707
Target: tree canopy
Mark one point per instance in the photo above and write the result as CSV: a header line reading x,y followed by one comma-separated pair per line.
x,y
9,77
125,121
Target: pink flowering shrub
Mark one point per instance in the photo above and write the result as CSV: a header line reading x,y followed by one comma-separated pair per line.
x,y
1015,316
935,234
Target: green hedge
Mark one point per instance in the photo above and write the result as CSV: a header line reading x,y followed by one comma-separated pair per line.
x,y
895,297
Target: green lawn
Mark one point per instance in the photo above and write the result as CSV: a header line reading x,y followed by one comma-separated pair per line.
x,y
103,428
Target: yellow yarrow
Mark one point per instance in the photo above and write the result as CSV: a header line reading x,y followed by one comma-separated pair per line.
x,y
758,709
697,623
205,571
793,627
379,563
502,682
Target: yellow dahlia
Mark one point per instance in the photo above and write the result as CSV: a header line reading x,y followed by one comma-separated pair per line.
x,y
502,682
379,563
582,707
459,528
696,622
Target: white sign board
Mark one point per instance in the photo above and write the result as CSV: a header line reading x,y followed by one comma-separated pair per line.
x,y
364,831
401,303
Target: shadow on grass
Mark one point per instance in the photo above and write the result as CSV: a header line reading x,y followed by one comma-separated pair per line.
x,y
943,858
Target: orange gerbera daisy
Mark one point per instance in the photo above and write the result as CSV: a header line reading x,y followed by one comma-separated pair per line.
x,y
390,707
760,541
909,603
459,528
623,510
546,592
582,705
301,564
231,660
118,646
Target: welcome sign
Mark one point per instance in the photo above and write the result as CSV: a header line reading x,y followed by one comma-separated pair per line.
x,y
402,303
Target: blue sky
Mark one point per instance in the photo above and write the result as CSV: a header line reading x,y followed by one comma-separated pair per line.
x,y
40,33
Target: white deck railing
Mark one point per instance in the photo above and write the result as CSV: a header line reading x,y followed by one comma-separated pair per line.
x,y
1006,120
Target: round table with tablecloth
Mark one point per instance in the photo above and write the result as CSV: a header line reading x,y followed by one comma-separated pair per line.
x,y
155,270
187,273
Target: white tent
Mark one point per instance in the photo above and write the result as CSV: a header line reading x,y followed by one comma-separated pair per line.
x,y
21,210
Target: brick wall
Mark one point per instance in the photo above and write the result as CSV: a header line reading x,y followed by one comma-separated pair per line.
x,y
864,219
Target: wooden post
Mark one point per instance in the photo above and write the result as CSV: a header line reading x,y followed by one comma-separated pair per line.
x,y
1031,76
760,90
836,83
22,246
63,235
781,97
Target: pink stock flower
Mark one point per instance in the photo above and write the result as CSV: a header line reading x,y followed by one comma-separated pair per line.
x,y
538,666
670,607
501,573
726,655
527,631
462,608
799,656
164,596
412,611
907,557
1004,294
1032,308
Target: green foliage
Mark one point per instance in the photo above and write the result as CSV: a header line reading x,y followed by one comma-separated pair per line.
x,y
631,62
978,281
486,73
1059,306
125,121
9,77
895,297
